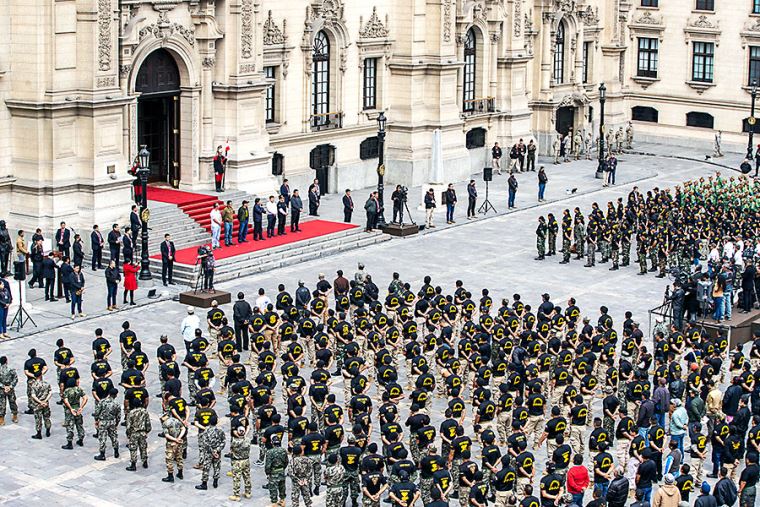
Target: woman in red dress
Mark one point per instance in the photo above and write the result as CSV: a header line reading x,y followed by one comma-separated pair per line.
x,y
130,281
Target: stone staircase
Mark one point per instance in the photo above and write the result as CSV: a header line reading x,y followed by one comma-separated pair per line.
x,y
272,258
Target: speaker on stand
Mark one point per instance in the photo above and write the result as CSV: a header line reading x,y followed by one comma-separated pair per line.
x,y
487,206
22,316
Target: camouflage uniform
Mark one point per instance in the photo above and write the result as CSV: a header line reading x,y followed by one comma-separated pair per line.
x,y
40,389
73,395
173,452
210,444
240,448
107,416
541,239
8,378
300,477
334,480
275,463
138,427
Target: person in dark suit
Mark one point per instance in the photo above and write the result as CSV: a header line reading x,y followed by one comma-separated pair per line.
x,y
168,252
78,248
282,215
37,254
135,223
348,206
296,207
66,271
314,196
48,273
258,217
285,191
243,216
241,316
63,240
96,243
114,243
128,246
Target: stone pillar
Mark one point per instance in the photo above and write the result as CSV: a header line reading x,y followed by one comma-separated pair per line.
x,y
578,55
547,50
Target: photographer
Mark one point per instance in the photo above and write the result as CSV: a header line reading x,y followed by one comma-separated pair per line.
x,y
678,298
206,262
398,203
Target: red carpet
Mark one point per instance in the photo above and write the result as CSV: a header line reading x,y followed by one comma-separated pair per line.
x,y
178,197
310,229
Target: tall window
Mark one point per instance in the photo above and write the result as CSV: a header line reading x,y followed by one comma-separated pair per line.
x,y
470,61
320,87
559,55
648,57
649,3
755,6
269,72
586,52
702,62
370,83
705,5
754,65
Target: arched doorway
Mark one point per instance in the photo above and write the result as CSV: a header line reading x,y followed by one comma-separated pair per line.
x,y
321,159
158,124
565,119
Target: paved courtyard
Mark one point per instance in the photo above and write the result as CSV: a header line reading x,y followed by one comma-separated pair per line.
x,y
496,252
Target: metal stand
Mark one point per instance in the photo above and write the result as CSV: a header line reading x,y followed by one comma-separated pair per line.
x,y
486,206
200,273
22,316
405,206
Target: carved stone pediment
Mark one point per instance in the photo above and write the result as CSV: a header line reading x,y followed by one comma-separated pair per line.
x,y
703,28
273,35
164,30
374,28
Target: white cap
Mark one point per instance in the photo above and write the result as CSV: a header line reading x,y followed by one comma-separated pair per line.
x,y
190,309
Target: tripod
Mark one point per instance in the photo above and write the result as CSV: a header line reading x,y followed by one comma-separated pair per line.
x,y
486,206
22,316
200,273
405,206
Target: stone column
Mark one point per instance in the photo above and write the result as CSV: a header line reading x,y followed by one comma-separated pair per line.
x,y
547,50
579,55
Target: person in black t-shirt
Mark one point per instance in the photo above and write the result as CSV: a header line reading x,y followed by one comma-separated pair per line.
x,y
404,493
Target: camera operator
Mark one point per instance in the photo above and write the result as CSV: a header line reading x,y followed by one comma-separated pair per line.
x,y
398,203
207,263
677,297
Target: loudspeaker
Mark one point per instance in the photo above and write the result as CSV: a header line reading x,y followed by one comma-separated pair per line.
x,y
488,174
19,270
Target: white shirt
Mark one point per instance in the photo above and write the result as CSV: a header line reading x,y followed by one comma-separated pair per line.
x,y
216,217
271,208
188,327
262,302
728,250
714,255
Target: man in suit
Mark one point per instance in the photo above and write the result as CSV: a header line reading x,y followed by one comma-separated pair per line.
x,y
348,206
63,239
243,216
128,246
66,271
37,254
372,206
134,223
241,316
296,207
258,217
48,273
168,251
314,196
96,243
78,248
285,191
114,243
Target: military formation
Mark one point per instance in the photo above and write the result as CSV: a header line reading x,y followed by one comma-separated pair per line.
x,y
331,392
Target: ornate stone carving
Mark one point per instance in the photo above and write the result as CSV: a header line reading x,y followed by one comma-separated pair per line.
x,y
105,82
703,22
529,21
164,31
548,17
648,19
272,33
518,18
374,28
104,35
495,37
590,16
565,5
247,68
446,21
246,28
125,69
479,12
332,10
209,62
753,25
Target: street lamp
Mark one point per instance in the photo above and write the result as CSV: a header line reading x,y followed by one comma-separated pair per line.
x,y
751,120
602,98
144,160
381,121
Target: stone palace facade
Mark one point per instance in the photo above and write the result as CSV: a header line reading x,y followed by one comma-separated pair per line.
x,y
294,88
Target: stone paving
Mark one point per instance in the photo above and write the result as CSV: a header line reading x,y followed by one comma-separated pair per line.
x,y
496,252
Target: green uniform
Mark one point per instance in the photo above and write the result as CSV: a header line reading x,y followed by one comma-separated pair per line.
x,y
240,448
275,464
73,395
300,479
211,444
8,382
40,390
541,239
107,416
138,427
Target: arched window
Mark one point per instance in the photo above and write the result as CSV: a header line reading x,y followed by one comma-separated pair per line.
x,y
559,55
470,61
320,87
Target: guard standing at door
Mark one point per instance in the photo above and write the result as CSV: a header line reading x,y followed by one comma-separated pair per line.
x,y
220,164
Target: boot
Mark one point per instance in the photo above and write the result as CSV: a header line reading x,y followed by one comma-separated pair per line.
x,y
115,452
37,436
614,268
29,411
215,483
47,432
132,467
145,464
179,474
564,262
316,491
168,478
539,258
184,454
233,498
2,420
100,457
68,446
202,485
80,442
14,418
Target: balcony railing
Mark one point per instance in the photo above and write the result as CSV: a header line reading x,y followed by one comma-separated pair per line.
x,y
479,106
326,121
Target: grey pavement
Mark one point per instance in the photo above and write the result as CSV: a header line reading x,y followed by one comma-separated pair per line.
x,y
495,252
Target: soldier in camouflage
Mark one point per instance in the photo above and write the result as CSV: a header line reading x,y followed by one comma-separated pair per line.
x,y
74,401
210,445
275,464
138,427
40,393
567,236
334,481
240,449
107,417
541,238
300,478
8,381
174,433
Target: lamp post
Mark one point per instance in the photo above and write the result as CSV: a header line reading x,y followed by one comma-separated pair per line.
x,y
602,98
143,171
381,121
751,120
